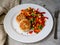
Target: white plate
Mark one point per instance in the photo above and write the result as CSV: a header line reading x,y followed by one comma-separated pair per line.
x,y
11,27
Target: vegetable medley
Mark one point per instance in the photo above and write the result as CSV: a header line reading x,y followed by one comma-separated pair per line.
x,y
36,19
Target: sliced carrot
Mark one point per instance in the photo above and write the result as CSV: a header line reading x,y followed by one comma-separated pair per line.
x,y
36,31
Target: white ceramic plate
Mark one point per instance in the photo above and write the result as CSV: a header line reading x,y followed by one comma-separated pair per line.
x,y
12,29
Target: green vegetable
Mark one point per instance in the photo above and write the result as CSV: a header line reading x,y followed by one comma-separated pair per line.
x,y
32,14
32,19
32,28
40,27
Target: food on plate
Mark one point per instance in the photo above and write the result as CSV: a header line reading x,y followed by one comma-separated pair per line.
x,y
31,20
20,17
25,25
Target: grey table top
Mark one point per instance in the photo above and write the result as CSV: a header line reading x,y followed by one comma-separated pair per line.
x,y
50,5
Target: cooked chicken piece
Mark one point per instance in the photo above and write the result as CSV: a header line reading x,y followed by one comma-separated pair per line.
x,y
25,25
20,17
